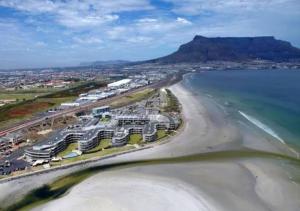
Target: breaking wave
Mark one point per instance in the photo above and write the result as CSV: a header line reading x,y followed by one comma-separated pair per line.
x,y
262,126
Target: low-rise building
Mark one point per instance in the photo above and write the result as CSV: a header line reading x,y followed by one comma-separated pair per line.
x,y
99,111
119,84
89,133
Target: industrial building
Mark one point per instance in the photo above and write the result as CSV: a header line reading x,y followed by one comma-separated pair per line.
x,y
119,84
112,89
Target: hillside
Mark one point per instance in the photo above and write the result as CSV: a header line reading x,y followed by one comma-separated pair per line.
x,y
202,49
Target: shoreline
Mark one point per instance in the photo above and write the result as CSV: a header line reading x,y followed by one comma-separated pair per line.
x,y
253,126
254,184
275,137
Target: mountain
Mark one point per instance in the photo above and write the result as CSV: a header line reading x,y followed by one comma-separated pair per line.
x,y
203,49
104,63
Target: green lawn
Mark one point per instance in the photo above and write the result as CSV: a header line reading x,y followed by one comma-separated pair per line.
x,y
95,154
135,139
18,97
104,143
68,150
105,119
161,134
172,103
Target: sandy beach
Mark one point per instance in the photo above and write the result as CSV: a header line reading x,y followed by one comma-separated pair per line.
x,y
230,184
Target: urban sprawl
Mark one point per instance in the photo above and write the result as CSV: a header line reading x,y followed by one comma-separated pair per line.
x,y
85,128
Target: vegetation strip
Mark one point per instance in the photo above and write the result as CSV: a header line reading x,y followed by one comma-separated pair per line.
x,y
16,112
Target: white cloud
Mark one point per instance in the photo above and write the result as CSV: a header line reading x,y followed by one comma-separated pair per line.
x,y
140,39
161,25
183,21
97,30
73,20
87,40
198,7
116,33
147,20
78,13
40,44
146,32
151,33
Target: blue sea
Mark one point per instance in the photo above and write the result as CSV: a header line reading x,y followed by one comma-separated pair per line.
x,y
267,99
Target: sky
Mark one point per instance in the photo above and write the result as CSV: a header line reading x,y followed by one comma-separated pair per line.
x,y
51,33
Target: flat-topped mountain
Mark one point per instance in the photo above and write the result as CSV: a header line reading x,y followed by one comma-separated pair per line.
x,y
202,49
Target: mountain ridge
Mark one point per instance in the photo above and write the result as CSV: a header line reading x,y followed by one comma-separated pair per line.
x,y
237,49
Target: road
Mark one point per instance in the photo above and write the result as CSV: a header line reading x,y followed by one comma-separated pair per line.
x,y
17,163
32,122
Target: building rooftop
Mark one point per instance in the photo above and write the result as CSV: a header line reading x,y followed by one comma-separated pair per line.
x,y
149,128
119,83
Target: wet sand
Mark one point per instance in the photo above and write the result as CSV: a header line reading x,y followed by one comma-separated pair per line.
x,y
231,184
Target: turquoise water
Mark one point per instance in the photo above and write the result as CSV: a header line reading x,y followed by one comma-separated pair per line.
x,y
268,99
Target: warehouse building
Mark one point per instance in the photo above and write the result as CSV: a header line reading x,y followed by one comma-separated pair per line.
x,y
119,84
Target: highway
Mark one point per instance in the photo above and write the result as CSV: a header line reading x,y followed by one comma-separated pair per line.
x,y
14,157
32,122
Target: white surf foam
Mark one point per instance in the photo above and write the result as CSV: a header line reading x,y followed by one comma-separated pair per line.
x,y
262,126
268,130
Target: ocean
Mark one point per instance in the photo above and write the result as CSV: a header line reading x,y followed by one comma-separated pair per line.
x,y
266,99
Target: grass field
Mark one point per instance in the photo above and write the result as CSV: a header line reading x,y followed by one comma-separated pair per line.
x,y
24,109
161,134
135,139
172,103
75,91
18,97
95,154
21,94
104,144
135,97
35,90
68,150
14,113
